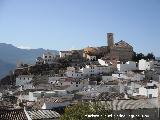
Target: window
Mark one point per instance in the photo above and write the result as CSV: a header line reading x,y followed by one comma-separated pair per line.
x,y
28,78
76,85
72,74
20,78
150,96
49,56
71,82
45,56
24,78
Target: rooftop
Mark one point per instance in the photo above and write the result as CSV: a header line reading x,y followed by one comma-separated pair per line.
x,y
43,114
18,114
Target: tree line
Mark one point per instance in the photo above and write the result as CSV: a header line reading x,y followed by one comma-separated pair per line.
x,y
139,56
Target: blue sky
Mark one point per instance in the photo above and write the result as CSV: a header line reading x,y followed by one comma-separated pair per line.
x,y
65,24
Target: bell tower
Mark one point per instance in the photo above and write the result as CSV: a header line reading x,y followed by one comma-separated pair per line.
x,y
110,39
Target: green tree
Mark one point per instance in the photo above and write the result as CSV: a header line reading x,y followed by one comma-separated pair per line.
x,y
139,56
80,111
150,56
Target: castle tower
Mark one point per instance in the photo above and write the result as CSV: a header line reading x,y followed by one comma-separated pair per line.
x,y
110,39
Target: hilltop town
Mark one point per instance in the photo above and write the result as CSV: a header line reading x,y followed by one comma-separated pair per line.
x,y
113,73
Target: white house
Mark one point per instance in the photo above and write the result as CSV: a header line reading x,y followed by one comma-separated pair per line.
x,y
106,87
28,86
149,91
145,65
120,76
90,70
91,57
71,84
128,66
64,53
128,76
103,62
72,72
25,81
34,96
48,57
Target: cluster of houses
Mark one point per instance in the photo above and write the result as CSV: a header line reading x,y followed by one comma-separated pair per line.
x,y
123,83
128,78
99,79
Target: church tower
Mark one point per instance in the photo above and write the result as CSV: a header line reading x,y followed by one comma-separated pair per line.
x,y
110,39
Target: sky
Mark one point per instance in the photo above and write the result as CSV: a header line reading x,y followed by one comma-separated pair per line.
x,y
75,24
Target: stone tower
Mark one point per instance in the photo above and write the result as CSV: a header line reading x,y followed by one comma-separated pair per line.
x,y
110,39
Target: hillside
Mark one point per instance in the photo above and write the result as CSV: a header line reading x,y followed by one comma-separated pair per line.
x,y
5,68
10,55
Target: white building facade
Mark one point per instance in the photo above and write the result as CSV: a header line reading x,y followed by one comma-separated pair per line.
x,y
150,90
91,57
48,57
103,62
128,66
25,81
64,53
72,72
34,96
71,84
90,70
145,65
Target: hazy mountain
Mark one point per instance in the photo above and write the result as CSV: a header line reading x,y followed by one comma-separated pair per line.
x,y
10,55
5,68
